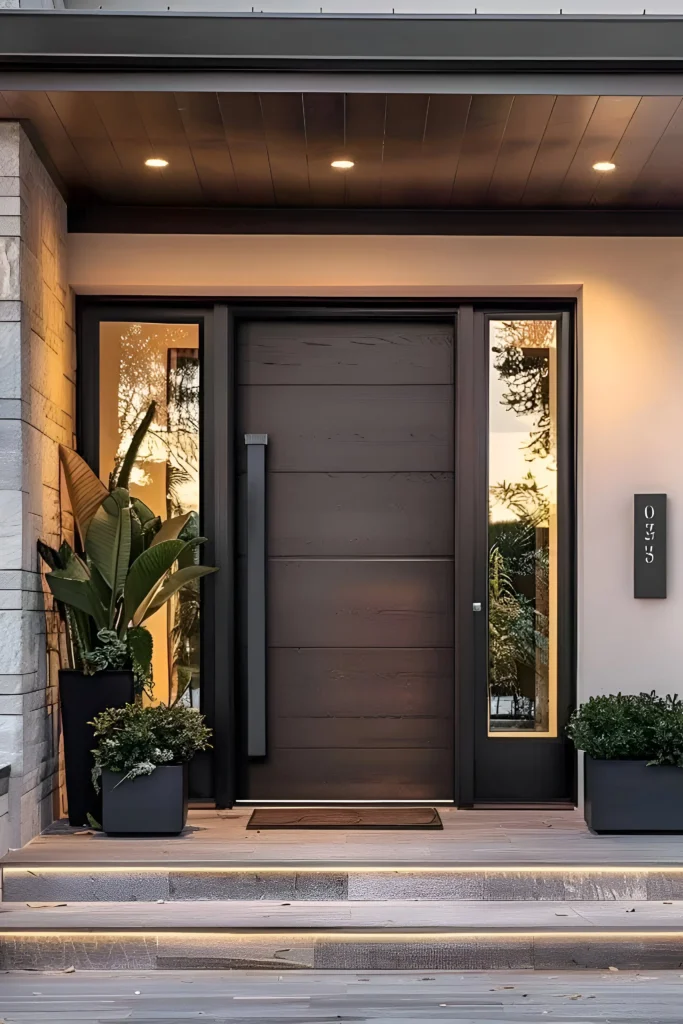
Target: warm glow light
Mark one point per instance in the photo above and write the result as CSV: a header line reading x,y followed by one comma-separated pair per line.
x,y
156,161
604,165
343,165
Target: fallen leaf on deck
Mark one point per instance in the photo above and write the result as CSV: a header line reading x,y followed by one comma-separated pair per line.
x,y
69,970
612,968
44,906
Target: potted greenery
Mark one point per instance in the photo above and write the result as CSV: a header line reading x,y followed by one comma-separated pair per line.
x,y
141,762
131,564
634,756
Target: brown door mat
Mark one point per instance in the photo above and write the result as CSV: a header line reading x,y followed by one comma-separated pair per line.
x,y
345,817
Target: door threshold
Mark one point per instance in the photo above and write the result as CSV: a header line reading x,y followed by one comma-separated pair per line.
x,y
346,803
542,805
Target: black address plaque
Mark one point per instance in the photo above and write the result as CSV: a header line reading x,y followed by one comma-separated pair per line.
x,y
649,545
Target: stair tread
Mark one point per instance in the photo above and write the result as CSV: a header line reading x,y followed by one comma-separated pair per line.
x,y
460,915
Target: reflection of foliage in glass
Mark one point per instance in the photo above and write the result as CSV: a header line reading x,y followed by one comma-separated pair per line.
x,y
182,472
159,362
522,361
518,627
511,627
144,377
525,499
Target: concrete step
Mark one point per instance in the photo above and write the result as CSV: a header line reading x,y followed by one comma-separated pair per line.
x,y
343,935
252,881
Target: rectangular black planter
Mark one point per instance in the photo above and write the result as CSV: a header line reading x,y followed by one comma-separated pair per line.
x,y
629,796
81,698
153,804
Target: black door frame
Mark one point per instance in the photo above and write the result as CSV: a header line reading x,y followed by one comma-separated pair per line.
x,y
217,320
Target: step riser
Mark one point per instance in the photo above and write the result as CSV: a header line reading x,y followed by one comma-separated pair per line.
x,y
101,885
335,951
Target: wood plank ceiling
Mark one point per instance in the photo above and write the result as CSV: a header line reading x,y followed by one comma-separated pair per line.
x,y
275,149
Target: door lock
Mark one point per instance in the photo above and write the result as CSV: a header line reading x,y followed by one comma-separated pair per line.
x,y
476,607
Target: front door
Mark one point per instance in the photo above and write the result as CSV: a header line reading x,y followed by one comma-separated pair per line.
x,y
355,486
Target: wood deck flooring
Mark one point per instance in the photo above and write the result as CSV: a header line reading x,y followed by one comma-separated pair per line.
x,y
269,998
346,915
469,838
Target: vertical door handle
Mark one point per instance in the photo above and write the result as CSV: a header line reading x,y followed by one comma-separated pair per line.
x,y
256,594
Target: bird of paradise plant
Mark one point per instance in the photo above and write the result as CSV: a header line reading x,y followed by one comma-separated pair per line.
x,y
131,564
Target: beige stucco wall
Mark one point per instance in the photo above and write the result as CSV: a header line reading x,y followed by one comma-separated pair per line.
x,y
630,298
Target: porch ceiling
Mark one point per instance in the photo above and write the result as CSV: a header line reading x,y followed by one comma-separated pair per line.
x,y
410,151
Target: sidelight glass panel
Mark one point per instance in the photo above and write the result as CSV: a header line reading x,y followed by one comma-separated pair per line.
x,y
522,531
141,363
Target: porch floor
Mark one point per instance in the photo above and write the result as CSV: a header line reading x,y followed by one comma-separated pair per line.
x,y
478,838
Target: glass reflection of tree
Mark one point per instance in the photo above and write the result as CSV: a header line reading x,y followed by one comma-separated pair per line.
x,y
519,546
157,363
182,488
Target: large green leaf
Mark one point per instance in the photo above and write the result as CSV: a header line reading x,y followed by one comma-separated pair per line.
x,y
146,576
86,490
141,645
171,528
144,512
75,568
108,542
78,594
175,582
134,447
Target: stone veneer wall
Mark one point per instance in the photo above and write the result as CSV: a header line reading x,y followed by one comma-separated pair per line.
x,y
37,408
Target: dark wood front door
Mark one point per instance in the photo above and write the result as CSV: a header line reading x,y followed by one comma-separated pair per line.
x,y
359,492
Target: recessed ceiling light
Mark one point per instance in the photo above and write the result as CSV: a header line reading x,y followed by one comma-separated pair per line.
x,y
343,165
604,165
156,161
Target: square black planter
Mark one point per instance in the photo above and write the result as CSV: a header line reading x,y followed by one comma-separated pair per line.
x,y
153,804
627,796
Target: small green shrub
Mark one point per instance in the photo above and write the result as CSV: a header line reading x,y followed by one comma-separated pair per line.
x,y
135,739
639,727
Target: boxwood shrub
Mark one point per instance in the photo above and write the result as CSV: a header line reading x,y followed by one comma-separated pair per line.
x,y
638,727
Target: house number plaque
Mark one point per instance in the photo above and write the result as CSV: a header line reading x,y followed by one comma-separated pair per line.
x,y
649,545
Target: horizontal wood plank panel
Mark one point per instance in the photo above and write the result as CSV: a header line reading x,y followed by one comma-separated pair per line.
x,y
660,179
360,603
357,514
360,733
341,682
285,132
415,151
564,131
609,121
365,126
443,138
486,123
324,124
201,117
245,136
637,145
314,774
354,428
345,352
402,157
523,135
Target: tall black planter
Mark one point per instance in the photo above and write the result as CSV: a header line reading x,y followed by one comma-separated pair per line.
x,y
81,698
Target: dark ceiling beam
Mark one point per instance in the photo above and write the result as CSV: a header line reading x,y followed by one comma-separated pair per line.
x,y
248,221
100,40
472,83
